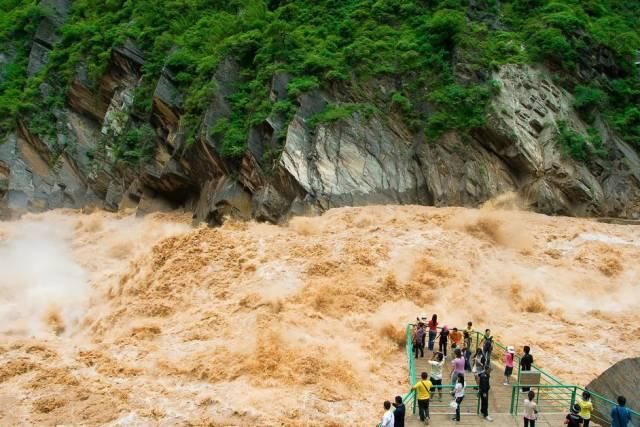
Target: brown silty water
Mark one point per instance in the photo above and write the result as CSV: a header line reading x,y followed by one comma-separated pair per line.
x,y
107,319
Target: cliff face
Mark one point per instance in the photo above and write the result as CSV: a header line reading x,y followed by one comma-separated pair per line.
x,y
359,159
620,379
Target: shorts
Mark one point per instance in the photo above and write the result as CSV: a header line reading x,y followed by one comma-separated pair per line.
x,y
508,370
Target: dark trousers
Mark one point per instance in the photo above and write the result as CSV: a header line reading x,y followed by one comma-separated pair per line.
x,y
484,404
434,383
443,348
418,347
467,360
586,422
459,402
423,409
432,337
528,422
487,359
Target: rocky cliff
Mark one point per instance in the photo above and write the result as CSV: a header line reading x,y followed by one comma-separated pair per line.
x,y
620,379
295,164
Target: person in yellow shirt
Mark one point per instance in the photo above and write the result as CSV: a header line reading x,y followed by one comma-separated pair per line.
x,y
586,407
470,331
423,391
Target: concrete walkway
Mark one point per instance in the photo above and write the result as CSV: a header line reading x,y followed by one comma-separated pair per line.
x,y
499,400
499,420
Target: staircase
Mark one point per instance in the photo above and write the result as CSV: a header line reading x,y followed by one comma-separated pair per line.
x,y
553,397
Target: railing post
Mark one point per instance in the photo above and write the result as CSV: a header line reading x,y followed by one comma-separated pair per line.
x,y
514,390
573,397
415,398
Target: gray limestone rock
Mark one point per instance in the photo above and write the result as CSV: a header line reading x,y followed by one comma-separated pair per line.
x,y
224,197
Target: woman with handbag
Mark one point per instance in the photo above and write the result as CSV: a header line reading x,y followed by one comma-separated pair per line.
x,y
458,394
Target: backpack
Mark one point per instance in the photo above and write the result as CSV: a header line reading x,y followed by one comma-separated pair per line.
x,y
488,344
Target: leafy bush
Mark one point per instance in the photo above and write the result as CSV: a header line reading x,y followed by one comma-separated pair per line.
x,y
578,146
338,112
135,145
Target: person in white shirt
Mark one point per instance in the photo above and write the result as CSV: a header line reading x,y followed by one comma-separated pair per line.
x,y
458,393
436,371
387,418
530,410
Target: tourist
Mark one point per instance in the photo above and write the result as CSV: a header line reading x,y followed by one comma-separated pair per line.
x,y
573,419
620,415
423,393
586,407
530,410
433,330
484,385
487,346
424,321
387,418
456,339
444,334
457,365
418,339
478,362
469,329
436,372
398,413
508,364
466,351
525,363
458,393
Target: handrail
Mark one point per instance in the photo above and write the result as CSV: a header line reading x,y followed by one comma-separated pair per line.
x,y
554,384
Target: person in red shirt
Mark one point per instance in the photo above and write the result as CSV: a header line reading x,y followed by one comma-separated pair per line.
x,y
433,330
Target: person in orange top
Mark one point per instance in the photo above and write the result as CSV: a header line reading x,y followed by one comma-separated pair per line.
x,y
456,339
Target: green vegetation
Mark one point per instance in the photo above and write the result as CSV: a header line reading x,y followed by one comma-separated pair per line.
x,y
335,45
135,145
578,146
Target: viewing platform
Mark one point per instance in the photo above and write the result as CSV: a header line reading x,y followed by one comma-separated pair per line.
x,y
553,397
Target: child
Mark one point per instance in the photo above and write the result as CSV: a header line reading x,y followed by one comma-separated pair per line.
x,y
573,419
586,407
508,364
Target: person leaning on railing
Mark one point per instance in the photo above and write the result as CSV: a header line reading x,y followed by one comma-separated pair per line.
x,y
586,407
423,394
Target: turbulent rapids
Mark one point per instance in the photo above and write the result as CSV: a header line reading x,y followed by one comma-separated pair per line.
x,y
110,319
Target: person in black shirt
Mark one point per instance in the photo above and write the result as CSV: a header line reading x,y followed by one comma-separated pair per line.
x,y
398,413
573,419
525,363
444,335
484,385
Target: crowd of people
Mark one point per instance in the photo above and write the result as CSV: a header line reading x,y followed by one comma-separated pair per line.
x,y
457,344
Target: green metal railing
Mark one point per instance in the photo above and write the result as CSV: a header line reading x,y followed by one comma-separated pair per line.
x,y
552,396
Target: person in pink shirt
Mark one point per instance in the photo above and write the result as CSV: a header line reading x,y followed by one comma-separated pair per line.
x,y
457,366
508,364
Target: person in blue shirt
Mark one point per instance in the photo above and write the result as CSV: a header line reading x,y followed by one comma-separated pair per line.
x,y
620,415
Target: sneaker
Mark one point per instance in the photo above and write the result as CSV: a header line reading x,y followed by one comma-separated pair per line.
x,y
506,384
488,418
